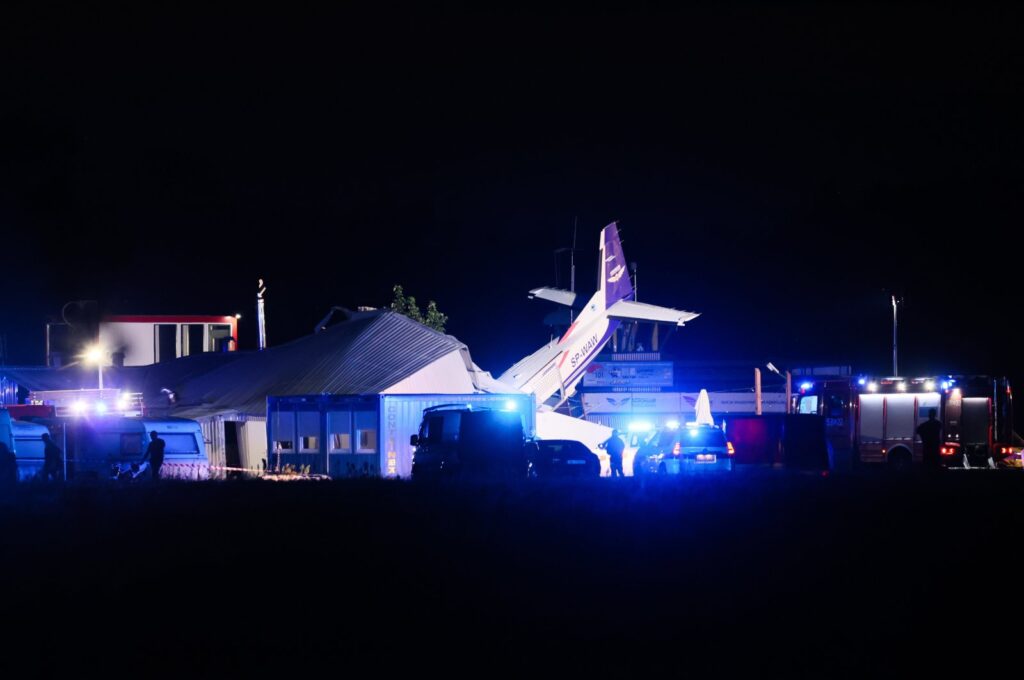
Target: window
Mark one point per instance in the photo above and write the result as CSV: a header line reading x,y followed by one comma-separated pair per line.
x,y
442,427
282,428
220,338
366,432
339,428
165,341
666,438
309,431
703,436
808,405
179,442
191,338
131,444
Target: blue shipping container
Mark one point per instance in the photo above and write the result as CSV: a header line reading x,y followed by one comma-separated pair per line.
x,y
363,435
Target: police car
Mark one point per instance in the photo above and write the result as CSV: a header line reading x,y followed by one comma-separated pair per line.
x,y
688,449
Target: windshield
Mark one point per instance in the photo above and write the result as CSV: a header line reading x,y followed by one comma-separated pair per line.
x,y
691,436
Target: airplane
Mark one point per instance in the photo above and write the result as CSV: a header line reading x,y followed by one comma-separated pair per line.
x,y
553,371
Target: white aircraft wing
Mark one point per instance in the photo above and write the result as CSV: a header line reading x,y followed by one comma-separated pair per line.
x,y
562,297
639,311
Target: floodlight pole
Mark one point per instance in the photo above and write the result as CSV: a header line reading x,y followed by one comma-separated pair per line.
x,y
260,319
895,369
757,391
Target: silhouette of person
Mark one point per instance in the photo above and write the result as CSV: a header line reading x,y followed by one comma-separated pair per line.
x,y
155,454
930,433
614,446
8,466
51,458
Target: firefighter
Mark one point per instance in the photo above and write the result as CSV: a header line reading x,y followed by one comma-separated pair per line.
x,y
614,446
52,456
155,454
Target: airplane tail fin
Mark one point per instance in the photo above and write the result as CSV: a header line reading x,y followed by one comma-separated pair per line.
x,y
615,283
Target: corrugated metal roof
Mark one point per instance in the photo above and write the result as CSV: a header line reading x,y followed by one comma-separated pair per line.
x,y
366,354
145,379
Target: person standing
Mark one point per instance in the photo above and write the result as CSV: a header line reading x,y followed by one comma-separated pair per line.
x,y
155,454
614,446
52,456
8,466
930,433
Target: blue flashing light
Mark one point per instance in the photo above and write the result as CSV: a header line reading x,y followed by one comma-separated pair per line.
x,y
672,424
101,408
945,384
862,382
693,432
510,405
639,426
806,385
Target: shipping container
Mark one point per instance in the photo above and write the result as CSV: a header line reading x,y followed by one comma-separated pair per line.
x,y
363,435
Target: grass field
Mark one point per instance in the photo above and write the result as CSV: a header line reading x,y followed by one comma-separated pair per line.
x,y
764,572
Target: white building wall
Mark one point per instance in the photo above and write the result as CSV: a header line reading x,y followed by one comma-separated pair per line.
x,y
136,340
447,375
252,442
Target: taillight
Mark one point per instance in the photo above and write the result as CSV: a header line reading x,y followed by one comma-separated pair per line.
x,y
677,449
730,449
947,450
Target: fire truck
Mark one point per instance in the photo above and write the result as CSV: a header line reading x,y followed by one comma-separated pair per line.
x,y
875,420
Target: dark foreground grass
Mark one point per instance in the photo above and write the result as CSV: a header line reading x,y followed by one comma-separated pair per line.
x,y
771,573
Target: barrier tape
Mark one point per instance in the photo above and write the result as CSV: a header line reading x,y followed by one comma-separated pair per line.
x,y
271,474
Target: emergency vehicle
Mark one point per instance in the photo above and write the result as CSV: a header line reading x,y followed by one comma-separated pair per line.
x,y
875,420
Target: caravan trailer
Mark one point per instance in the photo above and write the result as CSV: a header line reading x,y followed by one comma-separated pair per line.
x,y
99,447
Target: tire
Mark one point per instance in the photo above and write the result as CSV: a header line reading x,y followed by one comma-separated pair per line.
x,y
900,461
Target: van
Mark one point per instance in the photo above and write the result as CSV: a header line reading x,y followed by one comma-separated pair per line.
x,y
460,441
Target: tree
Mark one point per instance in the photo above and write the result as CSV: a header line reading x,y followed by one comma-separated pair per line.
x,y
407,306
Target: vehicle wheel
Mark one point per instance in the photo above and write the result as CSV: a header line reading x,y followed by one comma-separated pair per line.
x,y
900,461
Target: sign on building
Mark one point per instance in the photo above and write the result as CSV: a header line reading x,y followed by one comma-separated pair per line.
x,y
629,374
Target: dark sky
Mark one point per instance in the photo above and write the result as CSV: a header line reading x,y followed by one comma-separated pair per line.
x,y
778,170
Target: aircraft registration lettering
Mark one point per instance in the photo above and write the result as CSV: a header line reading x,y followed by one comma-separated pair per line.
x,y
583,351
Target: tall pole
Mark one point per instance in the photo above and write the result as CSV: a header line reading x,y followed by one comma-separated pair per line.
x,y
572,267
99,373
260,320
895,368
757,391
789,390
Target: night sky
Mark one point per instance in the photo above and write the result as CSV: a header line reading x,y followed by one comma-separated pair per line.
x,y
781,171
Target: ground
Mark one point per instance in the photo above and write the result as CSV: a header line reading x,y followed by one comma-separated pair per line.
x,y
765,572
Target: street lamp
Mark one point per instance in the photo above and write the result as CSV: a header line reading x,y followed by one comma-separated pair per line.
x,y
94,355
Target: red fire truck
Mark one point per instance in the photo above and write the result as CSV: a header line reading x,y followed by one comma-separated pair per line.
x,y
875,420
